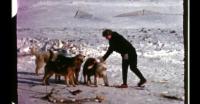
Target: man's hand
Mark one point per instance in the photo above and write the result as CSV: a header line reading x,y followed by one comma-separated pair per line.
x,y
125,56
101,59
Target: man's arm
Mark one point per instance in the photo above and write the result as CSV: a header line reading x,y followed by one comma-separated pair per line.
x,y
110,50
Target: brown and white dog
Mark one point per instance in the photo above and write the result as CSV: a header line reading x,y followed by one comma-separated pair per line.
x,y
41,58
64,66
97,68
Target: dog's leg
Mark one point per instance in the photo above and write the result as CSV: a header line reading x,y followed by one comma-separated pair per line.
x,y
39,64
105,78
96,80
84,76
88,80
67,81
46,78
73,79
57,78
77,76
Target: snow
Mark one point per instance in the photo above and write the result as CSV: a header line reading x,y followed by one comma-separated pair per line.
x,y
157,35
63,15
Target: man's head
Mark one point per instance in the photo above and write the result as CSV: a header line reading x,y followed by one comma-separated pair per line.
x,y
107,33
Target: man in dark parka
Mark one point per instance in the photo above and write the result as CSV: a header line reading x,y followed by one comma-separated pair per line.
x,y
119,44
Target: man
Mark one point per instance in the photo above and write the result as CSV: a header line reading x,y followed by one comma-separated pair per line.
x,y
129,56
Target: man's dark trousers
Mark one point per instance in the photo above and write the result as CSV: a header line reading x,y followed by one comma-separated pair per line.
x,y
132,61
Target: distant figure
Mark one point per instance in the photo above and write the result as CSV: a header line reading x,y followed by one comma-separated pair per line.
x,y
129,56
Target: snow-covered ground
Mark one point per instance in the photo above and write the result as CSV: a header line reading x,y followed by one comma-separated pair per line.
x,y
154,27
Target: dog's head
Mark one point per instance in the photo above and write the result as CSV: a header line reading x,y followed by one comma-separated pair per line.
x,y
90,63
102,66
79,59
33,50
